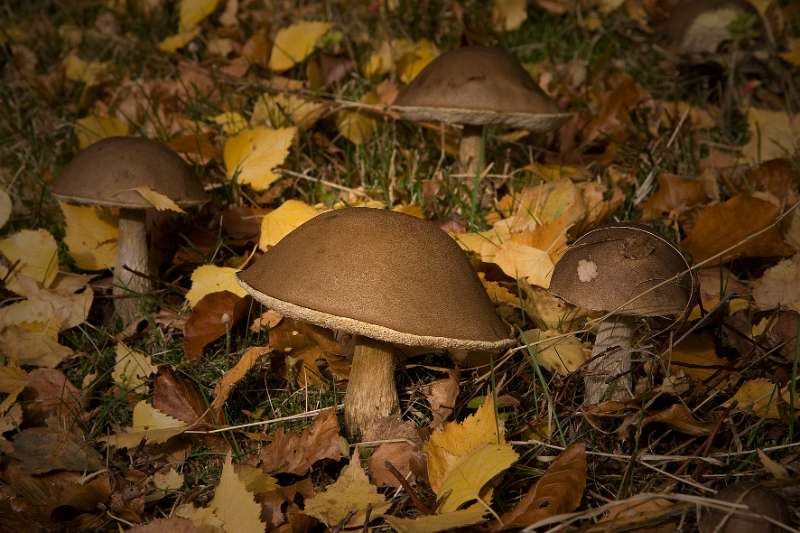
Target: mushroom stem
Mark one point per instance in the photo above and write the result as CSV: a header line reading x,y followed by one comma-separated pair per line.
x,y
132,252
469,152
611,356
371,392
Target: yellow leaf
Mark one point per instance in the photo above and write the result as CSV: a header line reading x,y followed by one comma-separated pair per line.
x,y
193,12
159,201
51,311
13,381
759,396
384,59
210,278
793,55
5,207
348,497
508,15
773,134
295,43
409,209
466,478
132,368
563,354
358,126
280,110
280,222
520,261
173,43
91,236
252,154
231,122
93,128
34,347
90,73
439,522
33,253
412,63
149,424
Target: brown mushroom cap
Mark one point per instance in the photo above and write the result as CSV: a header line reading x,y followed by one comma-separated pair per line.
x,y
379,274
609,265
106,173
479,85
758,499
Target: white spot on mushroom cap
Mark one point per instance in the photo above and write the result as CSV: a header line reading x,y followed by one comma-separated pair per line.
x,y
587,270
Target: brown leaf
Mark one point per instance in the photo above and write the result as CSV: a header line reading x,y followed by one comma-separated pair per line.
x,y
44,449
784,333
243,222
716,283
613,116
177,397
49,393
558,491
442,395
225,385
335,68
679,418
195,144
777,177
212,317
166,525
721,226
406,457
674,195
295,453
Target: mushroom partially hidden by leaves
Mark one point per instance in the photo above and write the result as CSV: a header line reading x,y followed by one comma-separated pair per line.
x,y
107,174
759,501
478,86
386,278
625,270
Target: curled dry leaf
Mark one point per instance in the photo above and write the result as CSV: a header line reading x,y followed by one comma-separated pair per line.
x,y
212,317
296,453
442,395
233,376
722,226
559,490
677,417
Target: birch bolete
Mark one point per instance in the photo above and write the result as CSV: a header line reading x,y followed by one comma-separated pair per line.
x,y
386,278
478,86
106,174
621,269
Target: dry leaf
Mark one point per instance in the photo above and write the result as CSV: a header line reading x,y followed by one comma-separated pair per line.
x,y
562,355
296,453
414,60
91,236
281,110
88,72
358,126
348,499
5,207
252,154
439,522
44,449
50,394
674,195
223,388
132,368
508,15
773,134
158,200
193,12
208,279
777,470
283,220
779,286
173,43
171,525
177,397
37,347
696,357
759,396
294,44
169,480
13,381
521,262
559,490
231,122
33,253
149,424
93,128
679,418
212,317
442,395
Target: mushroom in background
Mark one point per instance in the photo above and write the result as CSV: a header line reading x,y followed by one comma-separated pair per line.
x,y
617,269
386,278
478,86
106,174
699,27
759,500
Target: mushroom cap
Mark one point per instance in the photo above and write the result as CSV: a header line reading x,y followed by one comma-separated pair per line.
x,y
383,275
479,85
106,173
759,499
698,26
613,264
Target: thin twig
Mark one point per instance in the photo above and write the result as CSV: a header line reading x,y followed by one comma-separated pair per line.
x,y
299,416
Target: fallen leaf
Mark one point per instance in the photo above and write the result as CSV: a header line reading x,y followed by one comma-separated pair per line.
x,y
93,128
207,279
91,236
33,347
558,491
348,499
177,397
212,317
225,386
173,524
49,393
721,226
759,396
777,470
439,522
149,424
232,122
43,449
562,355
679,418
33,253
294,44
296,453
508,15
773,134
5,207
252,154
173,43
696,357
159,201
13,381
132,368
89,72
442,395
283,220
193,12
281,110
549,311
674,195
415,60
779,286
520,261
358,126
256,480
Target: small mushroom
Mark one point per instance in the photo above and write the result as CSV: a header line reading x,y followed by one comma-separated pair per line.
x,y
106,174
478,86
621,269
759,500
386,278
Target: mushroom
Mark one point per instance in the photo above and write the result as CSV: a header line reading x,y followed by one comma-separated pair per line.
x,y
106,174
758,499
621,269
386,278
478,86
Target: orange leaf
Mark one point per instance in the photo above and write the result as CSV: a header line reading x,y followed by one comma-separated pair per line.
x,y
674,194
211,318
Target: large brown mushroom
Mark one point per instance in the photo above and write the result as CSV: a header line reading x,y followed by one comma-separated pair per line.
x,y
621,269
386,278
106,174
478,86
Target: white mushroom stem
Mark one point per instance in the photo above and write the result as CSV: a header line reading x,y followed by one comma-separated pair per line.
x,y
611,356
371,392
132,252
469,151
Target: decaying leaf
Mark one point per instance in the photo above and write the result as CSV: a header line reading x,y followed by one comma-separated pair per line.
x,y
296,453
674,195
442,395
177,397
49,393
